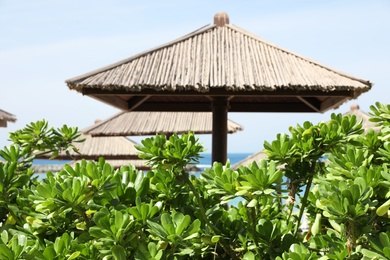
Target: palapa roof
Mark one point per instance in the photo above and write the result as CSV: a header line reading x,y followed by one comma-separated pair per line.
x,y
116,150
220,68
6,117
220,59
151,123
111,147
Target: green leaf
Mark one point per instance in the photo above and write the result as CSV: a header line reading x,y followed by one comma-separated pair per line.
x,y
6,253
384,239
43,191
118,219
157,229
49,252
185,251
181,222
143,189
192,230
215,239
386,252
166,222
76,187
371,255
67,195
97,232
19,243
383,209
249,256
118,252
316,227
355,190
62,243
134,211
252,203
4,236
74,255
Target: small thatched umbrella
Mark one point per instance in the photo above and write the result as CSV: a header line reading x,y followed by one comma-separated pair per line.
x,y
219,68
363,117
6,117
110,147
116,150
151,123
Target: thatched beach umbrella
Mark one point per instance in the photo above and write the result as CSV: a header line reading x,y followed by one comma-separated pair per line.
x,y
219,68
6,117
151,123
116,150
92,148
110,147
363,117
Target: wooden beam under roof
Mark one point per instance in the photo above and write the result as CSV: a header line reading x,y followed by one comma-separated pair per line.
x,y
221,92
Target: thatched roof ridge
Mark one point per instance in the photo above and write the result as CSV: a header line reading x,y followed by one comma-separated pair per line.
x,y
151,123
218,57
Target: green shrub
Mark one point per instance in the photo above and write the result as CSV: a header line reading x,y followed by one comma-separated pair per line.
x,y
331,173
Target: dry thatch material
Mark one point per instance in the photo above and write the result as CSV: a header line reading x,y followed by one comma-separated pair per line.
x,y
117,151
93,148
362,116
219,57
151,123
6,117
220,68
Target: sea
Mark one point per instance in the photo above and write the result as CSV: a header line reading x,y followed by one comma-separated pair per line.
x,y
205,161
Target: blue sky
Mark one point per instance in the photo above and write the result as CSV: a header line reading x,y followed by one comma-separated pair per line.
x,y
45,42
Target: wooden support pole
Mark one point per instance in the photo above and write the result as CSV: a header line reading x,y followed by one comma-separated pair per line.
x,y
220,106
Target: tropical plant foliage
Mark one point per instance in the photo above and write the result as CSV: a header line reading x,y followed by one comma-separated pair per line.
x,y
332,174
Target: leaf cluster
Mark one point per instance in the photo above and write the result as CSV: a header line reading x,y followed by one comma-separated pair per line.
x,y
331,175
